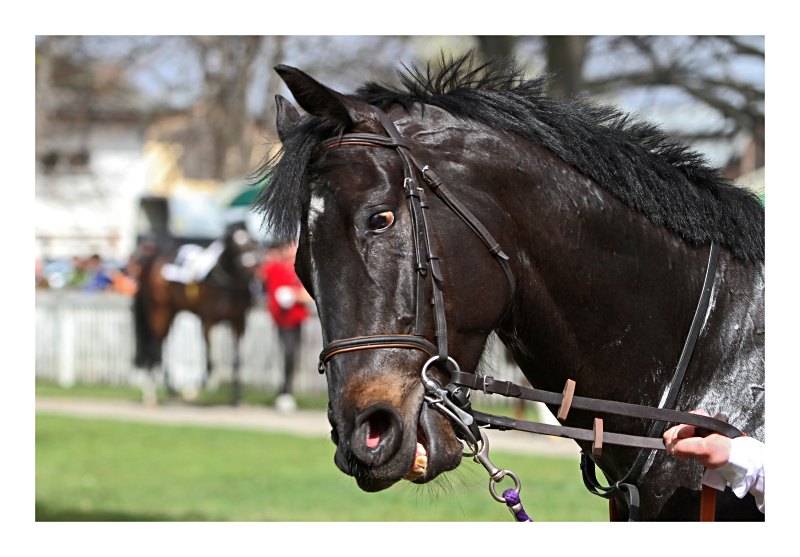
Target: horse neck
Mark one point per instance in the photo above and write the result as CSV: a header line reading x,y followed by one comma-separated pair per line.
x,y
605,296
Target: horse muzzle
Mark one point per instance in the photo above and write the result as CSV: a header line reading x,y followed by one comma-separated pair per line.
x,y
383,448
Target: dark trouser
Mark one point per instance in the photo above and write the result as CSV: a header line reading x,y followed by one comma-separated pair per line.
x,y
290,342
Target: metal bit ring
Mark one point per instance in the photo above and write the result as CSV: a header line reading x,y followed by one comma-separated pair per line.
x,y
427,381
503,474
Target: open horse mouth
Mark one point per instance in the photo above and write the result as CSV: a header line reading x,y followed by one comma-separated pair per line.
x,y
383,450
437,449
420,463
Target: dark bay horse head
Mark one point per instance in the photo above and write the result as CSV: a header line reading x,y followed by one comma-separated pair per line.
x,y
606,225
358,258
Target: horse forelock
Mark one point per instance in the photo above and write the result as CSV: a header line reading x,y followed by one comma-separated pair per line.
x,y
287,177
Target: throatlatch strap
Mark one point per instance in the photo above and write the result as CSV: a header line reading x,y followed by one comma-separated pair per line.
x,y
435,182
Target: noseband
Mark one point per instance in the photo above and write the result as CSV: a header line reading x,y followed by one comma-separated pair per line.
x,y
427,261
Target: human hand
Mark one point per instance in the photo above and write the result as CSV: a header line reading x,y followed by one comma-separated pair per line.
x,y
303,296
711,451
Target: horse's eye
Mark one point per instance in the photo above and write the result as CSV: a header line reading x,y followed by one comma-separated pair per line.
x,y
381,221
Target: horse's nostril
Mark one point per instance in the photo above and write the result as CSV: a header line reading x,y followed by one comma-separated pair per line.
x,y
377,435
377,424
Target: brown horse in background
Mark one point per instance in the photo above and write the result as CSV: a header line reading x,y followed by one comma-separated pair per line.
x,y
224,294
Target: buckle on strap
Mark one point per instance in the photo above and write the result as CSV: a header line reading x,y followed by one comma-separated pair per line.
x,y
486,384
504,388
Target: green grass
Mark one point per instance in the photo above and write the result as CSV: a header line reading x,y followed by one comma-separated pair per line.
x,y
221,396
83,390
94,470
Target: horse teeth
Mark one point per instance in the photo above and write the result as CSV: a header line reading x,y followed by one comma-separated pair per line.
x,y
420,463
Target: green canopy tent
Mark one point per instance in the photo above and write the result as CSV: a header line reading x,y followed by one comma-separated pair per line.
x,y
246,198
239,194
237,199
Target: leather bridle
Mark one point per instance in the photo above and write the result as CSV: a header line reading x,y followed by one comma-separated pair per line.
x,y
453,399
427,261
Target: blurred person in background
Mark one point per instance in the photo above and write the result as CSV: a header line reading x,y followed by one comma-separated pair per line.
x,y
97,277
41,281
123,281
78,276
286,303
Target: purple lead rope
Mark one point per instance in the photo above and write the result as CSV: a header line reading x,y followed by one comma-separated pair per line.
x,y
496,475
515,506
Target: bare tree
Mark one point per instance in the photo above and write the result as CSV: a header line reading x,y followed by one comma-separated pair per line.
x,y
227,85
227,65
699,69
566,56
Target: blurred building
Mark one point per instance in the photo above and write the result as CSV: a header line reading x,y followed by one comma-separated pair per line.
x,y
90,167
94,168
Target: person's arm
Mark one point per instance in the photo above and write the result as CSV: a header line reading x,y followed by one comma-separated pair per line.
x,y
738,462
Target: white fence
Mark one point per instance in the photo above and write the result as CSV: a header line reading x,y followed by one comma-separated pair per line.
x,y
89,338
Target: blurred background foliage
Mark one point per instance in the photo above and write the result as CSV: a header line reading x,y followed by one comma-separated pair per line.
x,y
707,90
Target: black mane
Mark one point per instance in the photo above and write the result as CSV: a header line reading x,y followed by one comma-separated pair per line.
x,y
637,162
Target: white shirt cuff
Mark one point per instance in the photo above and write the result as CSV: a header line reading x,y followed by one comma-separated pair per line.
x,y
744,471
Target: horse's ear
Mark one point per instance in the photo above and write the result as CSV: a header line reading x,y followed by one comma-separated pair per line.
x,y
323,102
286,118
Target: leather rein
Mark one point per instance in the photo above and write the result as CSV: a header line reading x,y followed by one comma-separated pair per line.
x,y
453,399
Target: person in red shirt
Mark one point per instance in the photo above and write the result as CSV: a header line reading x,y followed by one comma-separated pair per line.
x,y
286,303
